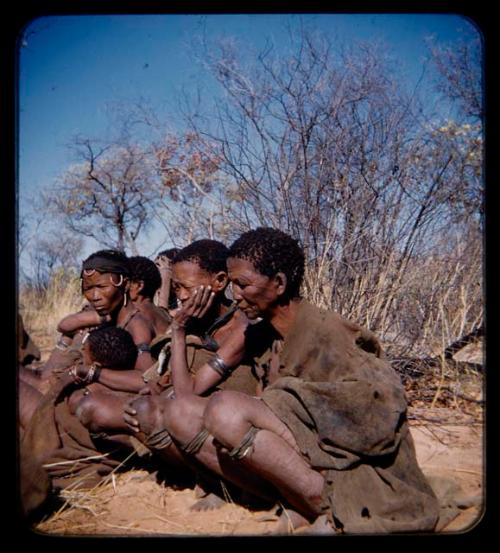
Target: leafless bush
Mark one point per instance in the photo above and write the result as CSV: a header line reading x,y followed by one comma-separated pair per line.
x,y
387,201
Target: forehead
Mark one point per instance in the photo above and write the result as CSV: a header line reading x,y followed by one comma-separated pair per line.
x,y
238,268
189,272
99,278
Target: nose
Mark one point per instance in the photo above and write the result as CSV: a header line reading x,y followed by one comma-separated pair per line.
x,y
94,295
182,294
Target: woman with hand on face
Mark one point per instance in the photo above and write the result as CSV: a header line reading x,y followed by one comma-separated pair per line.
x,y
206,351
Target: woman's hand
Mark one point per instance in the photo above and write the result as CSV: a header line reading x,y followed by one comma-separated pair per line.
x,y
194,307
164,265
130,417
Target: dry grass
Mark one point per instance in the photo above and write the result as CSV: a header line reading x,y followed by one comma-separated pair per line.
x,y
42,310
133,503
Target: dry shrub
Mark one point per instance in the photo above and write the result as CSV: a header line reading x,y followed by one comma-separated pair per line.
x,y
42,309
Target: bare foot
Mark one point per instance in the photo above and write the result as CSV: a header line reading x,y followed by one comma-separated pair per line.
x,y
208,503
288,522
149,415
320,527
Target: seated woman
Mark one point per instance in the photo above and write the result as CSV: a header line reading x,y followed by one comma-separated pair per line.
x,y
328,435
144,282
207,353
105,286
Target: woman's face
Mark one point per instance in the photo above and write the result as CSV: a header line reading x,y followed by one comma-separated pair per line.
x,y
256,294
186,277
100,292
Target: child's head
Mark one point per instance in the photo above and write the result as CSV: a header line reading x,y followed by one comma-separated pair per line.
x,y
112,347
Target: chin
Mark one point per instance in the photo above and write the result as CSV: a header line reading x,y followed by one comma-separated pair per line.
x,y
252,314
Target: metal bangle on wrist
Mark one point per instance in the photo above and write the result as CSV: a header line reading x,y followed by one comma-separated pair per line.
x,y
93,374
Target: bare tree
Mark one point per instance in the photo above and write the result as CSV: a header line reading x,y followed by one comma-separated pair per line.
x,y
459,68
328,146
108,194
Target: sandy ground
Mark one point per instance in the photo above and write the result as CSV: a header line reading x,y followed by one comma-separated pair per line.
x,y
448,443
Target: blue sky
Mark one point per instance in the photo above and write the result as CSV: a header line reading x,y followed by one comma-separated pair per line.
x,y
72,67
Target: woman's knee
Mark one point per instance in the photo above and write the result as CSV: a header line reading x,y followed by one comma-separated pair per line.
x,y
74,400
223,413
183,416
86,410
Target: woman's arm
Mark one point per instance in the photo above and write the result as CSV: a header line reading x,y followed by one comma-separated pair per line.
x,y
83,319
124,381
163,294
229,355
114,379
196,306
142,334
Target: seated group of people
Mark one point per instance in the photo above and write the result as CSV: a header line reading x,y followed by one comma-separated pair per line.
x,y
238,380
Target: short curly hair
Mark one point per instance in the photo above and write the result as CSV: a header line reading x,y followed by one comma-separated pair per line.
x,y
142,268
210,255
113,347
272,251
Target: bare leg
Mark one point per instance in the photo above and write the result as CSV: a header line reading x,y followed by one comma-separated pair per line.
x,y
184,419
148,410
101,412
273,457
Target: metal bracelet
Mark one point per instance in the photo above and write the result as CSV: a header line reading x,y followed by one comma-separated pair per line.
x,y
218,364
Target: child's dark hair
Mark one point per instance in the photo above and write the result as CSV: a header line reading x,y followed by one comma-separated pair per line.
x,y
142,268
112,347
210,255
272,251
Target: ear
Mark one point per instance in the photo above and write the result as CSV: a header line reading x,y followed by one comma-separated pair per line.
x,y
139,285
280,281
219,281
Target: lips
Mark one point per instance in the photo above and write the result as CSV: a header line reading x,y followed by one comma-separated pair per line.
x,y
248,310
